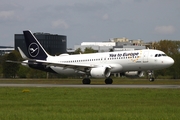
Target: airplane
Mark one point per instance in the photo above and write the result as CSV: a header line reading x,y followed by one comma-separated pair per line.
x,y
96,65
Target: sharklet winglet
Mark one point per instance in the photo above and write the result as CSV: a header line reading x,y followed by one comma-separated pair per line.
x,y
22,54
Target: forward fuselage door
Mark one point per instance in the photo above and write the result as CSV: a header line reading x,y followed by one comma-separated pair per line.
x,y
145,56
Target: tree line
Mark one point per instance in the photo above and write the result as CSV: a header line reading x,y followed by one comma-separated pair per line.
x,y
14,70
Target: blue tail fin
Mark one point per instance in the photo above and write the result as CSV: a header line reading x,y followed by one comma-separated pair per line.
x,y
34,48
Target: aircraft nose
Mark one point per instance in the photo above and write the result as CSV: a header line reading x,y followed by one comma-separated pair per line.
x,y
169,61
172,61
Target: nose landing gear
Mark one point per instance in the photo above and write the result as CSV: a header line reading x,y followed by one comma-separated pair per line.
x,y
151,75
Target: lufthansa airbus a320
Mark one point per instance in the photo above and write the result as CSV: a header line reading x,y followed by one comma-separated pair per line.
x,y
97,65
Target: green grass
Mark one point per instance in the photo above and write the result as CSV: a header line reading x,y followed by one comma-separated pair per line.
x,y
89,104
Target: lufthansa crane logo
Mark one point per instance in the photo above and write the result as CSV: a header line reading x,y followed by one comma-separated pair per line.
x,y
33,49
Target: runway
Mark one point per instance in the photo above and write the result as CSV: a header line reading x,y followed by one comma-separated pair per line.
x,y
92,86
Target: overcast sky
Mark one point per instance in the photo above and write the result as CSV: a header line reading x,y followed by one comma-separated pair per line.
x,y
91,20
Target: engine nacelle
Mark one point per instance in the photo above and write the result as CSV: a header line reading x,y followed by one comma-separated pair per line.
x,y
133,74
100,72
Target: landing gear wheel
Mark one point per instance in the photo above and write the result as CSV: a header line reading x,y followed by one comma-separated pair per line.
x,y
151,79
86,81
108,81
151,75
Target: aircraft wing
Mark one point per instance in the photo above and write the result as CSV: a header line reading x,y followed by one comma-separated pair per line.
x,y
66,65
76,66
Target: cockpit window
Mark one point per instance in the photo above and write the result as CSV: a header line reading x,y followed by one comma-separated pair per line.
x,y
164,55
159,55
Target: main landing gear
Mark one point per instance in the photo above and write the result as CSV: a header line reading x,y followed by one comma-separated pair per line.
x,y
88,81
151,75
108,81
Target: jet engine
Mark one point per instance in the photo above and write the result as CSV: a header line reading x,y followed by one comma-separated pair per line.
x,y
100,72
133,74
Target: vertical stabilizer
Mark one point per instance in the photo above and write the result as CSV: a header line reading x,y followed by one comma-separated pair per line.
x,y
34,48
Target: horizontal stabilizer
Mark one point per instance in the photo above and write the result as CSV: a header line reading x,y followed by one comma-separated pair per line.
x,y
10,61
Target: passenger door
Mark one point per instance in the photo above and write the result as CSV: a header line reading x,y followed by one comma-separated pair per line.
x,y
145,56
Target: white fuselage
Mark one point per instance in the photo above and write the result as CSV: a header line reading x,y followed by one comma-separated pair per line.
x,y
120,61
